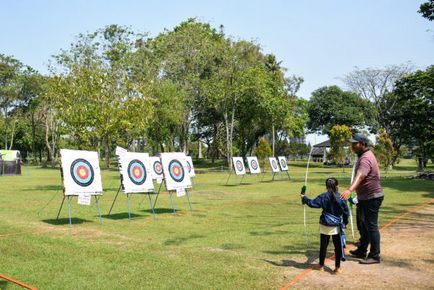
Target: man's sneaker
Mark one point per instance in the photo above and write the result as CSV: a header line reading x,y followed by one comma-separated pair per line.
x,y
338,271
318,268
357,254
369,260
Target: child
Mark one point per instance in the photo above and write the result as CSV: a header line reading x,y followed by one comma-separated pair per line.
x,y
333,208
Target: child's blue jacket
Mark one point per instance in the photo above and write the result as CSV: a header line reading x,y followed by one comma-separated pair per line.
x,y
328,204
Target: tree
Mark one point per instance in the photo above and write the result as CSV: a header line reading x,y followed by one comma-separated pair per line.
x,y
263,151
427,10
339,135
372,84
331,106
97,96
384,150
411,112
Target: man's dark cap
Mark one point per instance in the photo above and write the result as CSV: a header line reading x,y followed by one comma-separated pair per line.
x,y
359,138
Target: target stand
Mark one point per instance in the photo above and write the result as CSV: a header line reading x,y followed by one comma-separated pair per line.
x,y
230,174
95,194
135,178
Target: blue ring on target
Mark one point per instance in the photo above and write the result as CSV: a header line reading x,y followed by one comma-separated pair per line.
x,y
158,170
133,166
175,165
273,163
78,168
254,164
239,165
283,163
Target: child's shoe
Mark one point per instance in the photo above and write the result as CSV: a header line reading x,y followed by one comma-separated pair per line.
x,y
319,268
338,271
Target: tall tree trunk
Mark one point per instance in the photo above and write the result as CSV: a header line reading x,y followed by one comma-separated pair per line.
x,y
199,154
12,134
34,137
47,139
273,140
107,151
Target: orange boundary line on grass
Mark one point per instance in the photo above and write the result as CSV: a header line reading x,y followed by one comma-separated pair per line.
x,y
393,221
17,282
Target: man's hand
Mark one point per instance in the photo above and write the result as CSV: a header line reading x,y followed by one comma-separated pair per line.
x,y
345,194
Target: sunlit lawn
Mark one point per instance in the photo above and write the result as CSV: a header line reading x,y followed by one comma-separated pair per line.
x,y
236,237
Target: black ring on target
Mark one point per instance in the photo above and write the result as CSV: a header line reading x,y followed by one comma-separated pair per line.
x,y
239,165
136,172
82,172
254,164
158,168
283,163
274,164
176,170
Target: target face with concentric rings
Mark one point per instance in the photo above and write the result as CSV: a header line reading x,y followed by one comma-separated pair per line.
x,y
282,163
188,166
239,165
176,171
82,172
136,172
158,168
254,164
274,164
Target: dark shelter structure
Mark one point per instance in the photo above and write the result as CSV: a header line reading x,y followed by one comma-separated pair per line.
x,y
10,162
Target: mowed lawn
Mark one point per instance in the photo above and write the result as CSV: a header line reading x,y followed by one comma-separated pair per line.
x,y
236,237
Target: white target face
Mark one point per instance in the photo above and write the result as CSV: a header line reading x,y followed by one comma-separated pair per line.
x,y
81,172
136,173
238,165
273,164
175,173
283,163
252,161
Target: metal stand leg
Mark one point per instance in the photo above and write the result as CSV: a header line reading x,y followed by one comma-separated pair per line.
x,y
152,206
274,174
171,201
115,199
69,210
242,178
230,173
129,206
61,205
158,193
99,210
289,178
188,197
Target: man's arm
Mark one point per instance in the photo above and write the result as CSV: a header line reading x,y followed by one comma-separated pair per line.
x,y
359,178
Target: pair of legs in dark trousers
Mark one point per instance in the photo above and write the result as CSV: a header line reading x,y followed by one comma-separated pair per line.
x,y
323,250
369,233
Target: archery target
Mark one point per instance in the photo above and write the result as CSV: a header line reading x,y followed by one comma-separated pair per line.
x,y
254,168
136,173
273,164
238,165
282,162
156,168
174,169
190,168
81,172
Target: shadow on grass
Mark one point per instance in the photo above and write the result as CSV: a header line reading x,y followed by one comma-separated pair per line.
x,y
45,188
182,240
311,255
160,210
119,216
3,285
65,221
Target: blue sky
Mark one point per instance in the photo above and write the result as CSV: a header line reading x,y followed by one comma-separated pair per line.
x,y
318,40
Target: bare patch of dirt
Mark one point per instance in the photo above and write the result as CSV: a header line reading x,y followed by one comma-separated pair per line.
x,y
407,252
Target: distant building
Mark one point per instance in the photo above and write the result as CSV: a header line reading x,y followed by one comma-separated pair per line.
x,y
298,140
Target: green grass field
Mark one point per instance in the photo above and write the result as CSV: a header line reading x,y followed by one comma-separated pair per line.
x,y
236,237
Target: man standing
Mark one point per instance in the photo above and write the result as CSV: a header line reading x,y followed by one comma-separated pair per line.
x,y
370,196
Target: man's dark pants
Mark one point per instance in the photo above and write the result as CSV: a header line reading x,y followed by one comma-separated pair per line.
x,y
369,226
